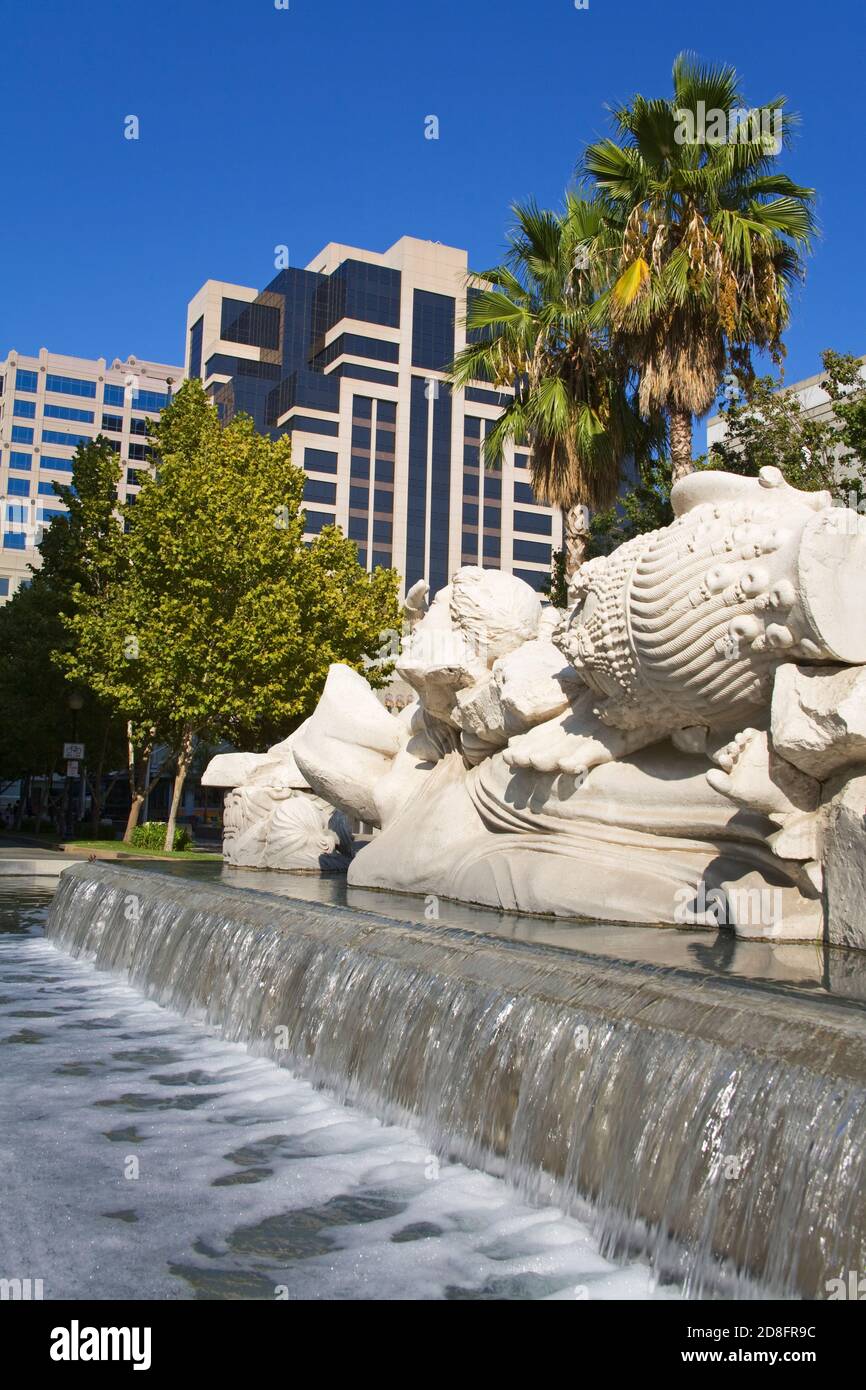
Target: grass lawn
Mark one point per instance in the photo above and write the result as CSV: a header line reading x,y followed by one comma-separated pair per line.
x,y
51,840
118,847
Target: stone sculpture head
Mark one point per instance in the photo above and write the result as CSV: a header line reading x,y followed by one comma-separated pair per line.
x,y
690,623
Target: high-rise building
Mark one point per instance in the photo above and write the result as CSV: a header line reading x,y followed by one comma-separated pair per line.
x,y
350,356
50,404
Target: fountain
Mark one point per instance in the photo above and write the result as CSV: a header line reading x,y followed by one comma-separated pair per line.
x,y
681,751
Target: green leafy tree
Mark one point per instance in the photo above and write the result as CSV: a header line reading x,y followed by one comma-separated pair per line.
x,y
769,426
536,326
766,426
224,623
79,552
710,238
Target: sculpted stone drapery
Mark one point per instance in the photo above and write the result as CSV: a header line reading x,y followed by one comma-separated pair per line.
x,y
626,759
271,818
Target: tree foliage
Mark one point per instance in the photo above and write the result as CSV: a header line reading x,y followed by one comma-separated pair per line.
x,y
708,236
223,622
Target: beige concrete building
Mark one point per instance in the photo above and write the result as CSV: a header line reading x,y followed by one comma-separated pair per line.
x,y
48,405
349,355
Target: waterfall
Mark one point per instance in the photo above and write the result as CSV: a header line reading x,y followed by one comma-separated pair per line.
x,y
717,1127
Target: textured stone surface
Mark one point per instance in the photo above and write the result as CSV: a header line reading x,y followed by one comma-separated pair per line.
x,y
613,761
271,818
845,861
819,717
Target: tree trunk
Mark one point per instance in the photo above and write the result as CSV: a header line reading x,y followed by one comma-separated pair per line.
x,y
132,818
139,785
184,758
681,444
575,538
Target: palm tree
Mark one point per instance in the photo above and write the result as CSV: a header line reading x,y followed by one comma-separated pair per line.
x,y
537,327
710,236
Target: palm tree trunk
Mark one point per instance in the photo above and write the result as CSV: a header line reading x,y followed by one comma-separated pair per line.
x,y
681,444
575,537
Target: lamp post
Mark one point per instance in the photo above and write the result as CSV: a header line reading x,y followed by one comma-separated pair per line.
x,y
75,702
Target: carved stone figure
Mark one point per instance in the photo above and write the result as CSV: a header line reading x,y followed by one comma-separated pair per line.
x,y
272,819
625,760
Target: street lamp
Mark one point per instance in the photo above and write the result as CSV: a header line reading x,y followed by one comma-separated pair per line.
x,y
75,702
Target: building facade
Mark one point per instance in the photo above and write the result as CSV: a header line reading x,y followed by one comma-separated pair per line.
x,y
49,404
349,356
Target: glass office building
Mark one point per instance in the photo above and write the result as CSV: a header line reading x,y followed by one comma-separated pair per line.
x,y
349,356
48,405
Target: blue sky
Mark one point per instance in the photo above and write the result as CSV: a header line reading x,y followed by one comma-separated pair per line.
x,y
260,127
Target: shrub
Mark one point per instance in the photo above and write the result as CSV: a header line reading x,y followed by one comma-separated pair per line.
x,y
151,835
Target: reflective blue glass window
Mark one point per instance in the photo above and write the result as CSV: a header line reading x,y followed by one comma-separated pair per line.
x,y
532,550
64,465
382,559
317,490
46,488
195,348
322,460
22,434
13,540
492,485
68,412
382,532
257,325
16,515
432,330
26,381
314,521
18,487
535,522
19,460
357,372
113,423
149,400
49,513
25,410
114,395
313,425
70,385
61,437
4,587
523,493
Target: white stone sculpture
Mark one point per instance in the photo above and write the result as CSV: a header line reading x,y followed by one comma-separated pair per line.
x,y
271,817
626,760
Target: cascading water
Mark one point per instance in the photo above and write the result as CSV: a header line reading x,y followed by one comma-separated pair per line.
x,y
717,1127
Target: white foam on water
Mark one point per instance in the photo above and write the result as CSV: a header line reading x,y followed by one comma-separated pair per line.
x,y
250,1182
